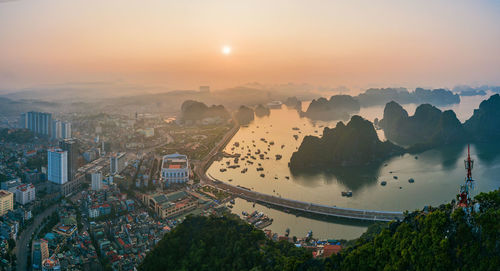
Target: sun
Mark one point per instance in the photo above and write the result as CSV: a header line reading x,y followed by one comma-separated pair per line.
x,y
226,49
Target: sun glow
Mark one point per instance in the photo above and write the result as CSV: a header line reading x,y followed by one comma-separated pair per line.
x,y
226,50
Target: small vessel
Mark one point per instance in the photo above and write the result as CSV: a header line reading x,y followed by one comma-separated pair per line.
x,y
383,183
346,194
274,105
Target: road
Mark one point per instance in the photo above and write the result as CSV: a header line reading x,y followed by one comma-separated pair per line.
x,y
21,248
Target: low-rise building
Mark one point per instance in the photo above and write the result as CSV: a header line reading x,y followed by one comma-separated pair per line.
x,y
6,202
170,205
175,168
25,193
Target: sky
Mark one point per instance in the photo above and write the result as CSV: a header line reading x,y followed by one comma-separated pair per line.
x,y
178,44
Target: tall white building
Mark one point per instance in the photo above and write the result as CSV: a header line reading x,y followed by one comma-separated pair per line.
x,y
25,193
61,129
117,163
65,130
57,166
175,168
96,181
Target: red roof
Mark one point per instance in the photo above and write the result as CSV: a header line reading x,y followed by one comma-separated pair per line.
x,y
328,250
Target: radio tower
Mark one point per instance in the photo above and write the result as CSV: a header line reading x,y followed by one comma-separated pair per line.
x,y
466,189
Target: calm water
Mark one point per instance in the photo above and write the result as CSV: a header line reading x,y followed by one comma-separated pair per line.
x,y
438,173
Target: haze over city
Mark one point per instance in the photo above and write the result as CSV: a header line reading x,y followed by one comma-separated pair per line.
x,y
168,45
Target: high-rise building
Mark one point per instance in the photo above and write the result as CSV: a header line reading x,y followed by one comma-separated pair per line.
x,y
56,129
40,252
25,193
6,202
66,130
38,122
117,163
96,181
61,129
71,146
57,166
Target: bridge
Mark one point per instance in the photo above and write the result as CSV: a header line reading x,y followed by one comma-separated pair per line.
x,y
290,204
307,207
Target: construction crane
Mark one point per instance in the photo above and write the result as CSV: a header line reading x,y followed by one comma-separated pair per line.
x,y
464,198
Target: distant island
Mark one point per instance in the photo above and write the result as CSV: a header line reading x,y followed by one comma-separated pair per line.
x,y
380,96
337,107
244,115
262,111
354,144
194,111
428,127
293,102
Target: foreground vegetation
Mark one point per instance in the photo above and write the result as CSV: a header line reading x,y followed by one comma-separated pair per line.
x,y
442,238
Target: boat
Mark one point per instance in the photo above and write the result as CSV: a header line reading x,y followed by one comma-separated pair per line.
x,y
383,183
346,193
275,105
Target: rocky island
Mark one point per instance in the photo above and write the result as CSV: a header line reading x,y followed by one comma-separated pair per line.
x,y
293,102
194,111
244,115
427,128
354,144
484,125
337,107
262,111
378,96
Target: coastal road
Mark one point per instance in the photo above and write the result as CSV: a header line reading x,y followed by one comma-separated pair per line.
x,y
21,249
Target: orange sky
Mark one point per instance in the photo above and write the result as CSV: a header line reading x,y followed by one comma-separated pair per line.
x,y
177,44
